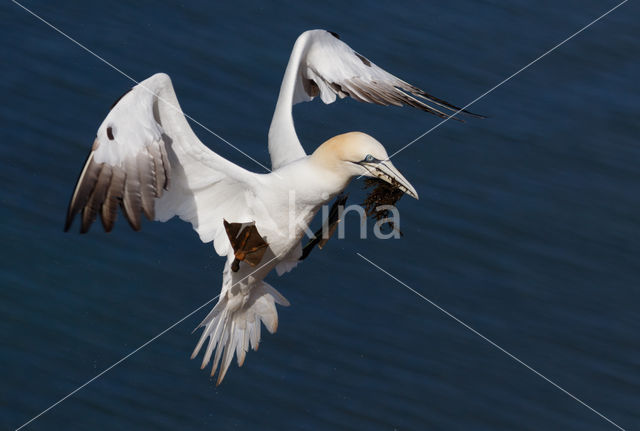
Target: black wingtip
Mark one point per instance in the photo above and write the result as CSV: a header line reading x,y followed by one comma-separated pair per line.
x,y
72,211
68,222
473,114
456,118
457,110
445,104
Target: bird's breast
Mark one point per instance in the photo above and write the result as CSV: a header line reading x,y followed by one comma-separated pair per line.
x,y
288,201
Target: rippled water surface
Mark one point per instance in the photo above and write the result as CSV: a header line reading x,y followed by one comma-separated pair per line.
x,y
527,229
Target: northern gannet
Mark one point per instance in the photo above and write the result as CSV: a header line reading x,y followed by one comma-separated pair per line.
x,y
147,160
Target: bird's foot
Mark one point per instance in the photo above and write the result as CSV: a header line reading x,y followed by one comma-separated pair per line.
x,y
248,245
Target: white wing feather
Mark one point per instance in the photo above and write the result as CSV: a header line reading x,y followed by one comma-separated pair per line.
x,y
147,159
322,65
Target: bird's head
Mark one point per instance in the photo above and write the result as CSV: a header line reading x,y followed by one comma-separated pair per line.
x,y
358,154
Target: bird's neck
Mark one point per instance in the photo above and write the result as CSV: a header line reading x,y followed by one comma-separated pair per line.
x,y
282,127
299,189
329,176
312,180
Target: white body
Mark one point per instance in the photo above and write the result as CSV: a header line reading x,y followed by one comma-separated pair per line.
x,y
147,158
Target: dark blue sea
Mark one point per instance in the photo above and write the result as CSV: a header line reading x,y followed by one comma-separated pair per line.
x,y
527,228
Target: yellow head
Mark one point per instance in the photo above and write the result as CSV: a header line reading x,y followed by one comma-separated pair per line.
x,y
358,154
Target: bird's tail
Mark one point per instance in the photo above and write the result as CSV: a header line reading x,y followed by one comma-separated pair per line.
x,y
232,325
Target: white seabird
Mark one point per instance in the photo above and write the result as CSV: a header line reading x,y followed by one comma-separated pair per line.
x,y
146,159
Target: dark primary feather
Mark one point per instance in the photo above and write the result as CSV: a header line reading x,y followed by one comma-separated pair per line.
x,y
364,81
398,95
86,182
132,199
101,188
94,203
109,210
146,170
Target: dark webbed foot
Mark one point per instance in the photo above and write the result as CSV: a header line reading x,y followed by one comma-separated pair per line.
x,y
248,245
330,225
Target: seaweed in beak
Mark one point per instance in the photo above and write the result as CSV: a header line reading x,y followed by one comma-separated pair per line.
x,y
384,193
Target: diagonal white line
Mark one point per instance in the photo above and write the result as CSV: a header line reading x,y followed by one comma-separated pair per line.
x,y
139,348
493,343
510,76
115,364
399,281
137,83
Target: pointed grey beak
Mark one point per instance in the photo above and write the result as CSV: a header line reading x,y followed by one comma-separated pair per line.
x,y
385,170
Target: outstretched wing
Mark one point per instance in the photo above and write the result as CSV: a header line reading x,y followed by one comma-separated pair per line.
x,y
322,65
147,160
332,68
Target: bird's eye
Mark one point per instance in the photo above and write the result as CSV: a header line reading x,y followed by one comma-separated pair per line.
x,y
369,158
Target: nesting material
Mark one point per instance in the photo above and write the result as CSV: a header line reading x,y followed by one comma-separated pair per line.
x,y
382,194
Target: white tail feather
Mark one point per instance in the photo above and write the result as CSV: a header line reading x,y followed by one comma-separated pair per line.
x,y
231,329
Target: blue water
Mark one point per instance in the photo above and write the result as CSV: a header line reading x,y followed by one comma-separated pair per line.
x,y
527,229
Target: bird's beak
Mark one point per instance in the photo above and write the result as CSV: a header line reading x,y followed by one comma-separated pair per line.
x,y
385,170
